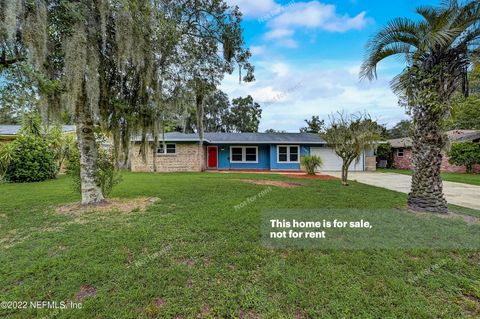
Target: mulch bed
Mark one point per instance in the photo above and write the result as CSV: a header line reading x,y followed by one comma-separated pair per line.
x,y
124,205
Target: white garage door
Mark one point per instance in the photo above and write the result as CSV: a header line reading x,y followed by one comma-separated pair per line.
x,y
332,162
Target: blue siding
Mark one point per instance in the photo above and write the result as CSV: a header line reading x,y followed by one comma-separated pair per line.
x,y
224,158
304,150
267,158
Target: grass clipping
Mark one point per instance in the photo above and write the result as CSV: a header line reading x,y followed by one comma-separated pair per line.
x,y
123,205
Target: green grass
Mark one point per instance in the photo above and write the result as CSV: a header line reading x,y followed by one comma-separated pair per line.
x,y
473,179
192,255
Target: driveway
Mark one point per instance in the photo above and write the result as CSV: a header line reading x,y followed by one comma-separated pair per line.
x,y
456,193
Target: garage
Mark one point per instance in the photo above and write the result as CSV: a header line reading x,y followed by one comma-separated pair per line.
x,y
332,162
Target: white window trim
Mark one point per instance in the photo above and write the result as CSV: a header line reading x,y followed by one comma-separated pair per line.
x,y
398,152
288,154
165,153
244,154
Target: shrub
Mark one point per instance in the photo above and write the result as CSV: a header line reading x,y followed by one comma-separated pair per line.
x,y
6,152
466,153
311,163
385,152
107,176
60,144
31,160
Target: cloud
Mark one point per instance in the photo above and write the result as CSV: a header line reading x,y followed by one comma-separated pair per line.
x,y
257,50
288,43
280,69
256,8
315,14
290,92
312,14
285,20
278,33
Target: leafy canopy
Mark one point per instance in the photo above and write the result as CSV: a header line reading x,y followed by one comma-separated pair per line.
x,y
314,125
349,136
245,115
466,153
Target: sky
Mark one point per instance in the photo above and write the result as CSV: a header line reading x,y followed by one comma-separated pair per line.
x,y
307,56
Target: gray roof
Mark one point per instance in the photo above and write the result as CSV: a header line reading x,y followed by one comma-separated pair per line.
x,y
12,130
244,138
474,136
453,136
401,142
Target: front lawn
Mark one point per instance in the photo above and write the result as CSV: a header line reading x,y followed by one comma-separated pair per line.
x,y
473,179
192,255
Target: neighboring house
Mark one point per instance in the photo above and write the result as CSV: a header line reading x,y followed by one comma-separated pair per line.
x,y
9,132
402,150
240,151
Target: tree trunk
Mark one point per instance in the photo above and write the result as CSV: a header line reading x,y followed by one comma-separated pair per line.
x,y
90,187
345,174
154,149
200,128
426,192
469,168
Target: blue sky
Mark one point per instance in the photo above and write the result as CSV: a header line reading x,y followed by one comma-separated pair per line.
x,y
307,56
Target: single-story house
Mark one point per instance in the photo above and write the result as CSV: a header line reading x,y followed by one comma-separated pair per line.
x,y
9,132
402,151
240,151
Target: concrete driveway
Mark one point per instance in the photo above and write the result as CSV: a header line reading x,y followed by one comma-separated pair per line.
x,y
456,193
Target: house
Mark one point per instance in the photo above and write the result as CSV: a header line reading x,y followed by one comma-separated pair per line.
x,y
240,151
9,132
402,150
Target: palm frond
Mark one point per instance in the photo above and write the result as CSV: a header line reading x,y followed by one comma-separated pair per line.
x,y
429,13
368,70
399,36
444,37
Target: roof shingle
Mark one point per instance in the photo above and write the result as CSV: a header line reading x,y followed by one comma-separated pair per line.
x,y
12,130
244,138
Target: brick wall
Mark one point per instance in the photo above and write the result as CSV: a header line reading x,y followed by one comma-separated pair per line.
x,y
405,162
447,167
186,159
370,163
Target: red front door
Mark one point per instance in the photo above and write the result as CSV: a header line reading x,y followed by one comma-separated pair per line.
x,y
212,156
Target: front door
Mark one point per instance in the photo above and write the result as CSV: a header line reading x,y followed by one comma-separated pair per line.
x,y
212,157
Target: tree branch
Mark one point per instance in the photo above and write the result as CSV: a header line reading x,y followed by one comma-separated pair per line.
x,y
7,62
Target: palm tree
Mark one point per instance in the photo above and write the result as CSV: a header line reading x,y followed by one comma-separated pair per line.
x,y
438,51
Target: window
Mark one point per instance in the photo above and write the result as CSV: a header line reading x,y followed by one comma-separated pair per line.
x,y
250,154
237,154
244,154
283,154
293,153
400,152
171,149
288,153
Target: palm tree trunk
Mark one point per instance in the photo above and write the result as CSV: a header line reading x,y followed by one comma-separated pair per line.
x,y
426,192
90,188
